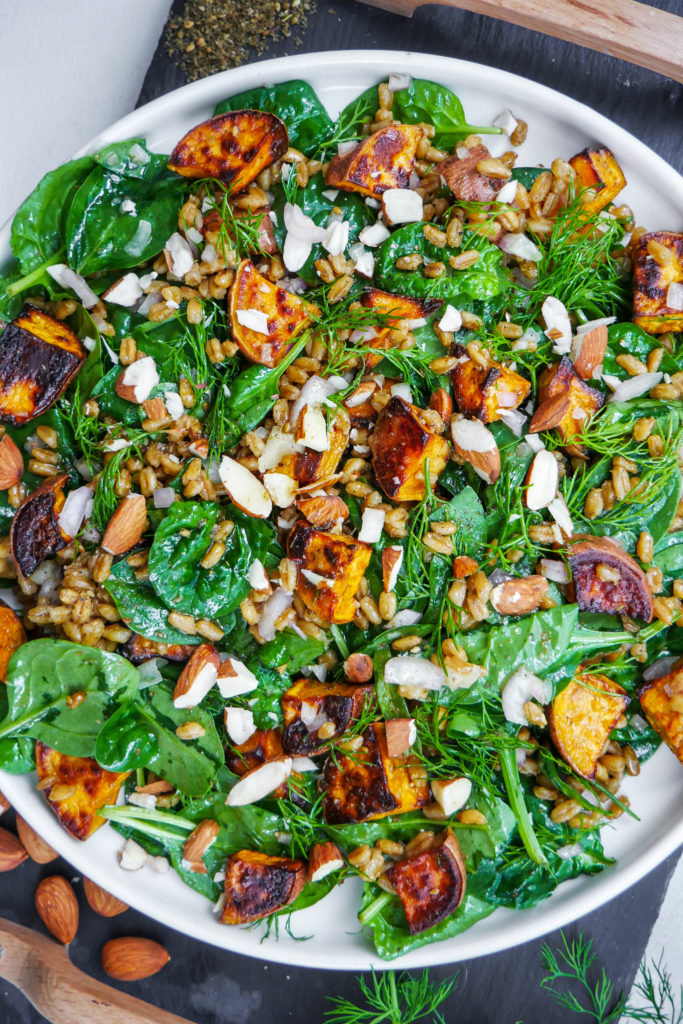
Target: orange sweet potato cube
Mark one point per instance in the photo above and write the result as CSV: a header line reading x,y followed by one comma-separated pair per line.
x,y
598,170
658,263
336,704
382,161
431,884
581,719
339,560
401,443
662,703
584,401
486,393
76,788
257,885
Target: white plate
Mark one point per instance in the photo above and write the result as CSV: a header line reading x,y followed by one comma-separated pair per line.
x,y
558,126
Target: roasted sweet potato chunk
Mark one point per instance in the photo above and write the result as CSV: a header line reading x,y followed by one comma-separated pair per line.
x,y
658,263
39,356
430,885
598,170
309,705
12,636
310,465
283,316
401,443
262,745
323,512
139,649
257,885
662,704
370,784
341,562
581,718
380,162
584,401
76,788
630,594
233,147
486,394
465,181
395,308
35,533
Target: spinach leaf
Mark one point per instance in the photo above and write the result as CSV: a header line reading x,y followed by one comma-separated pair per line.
x,y
127,740
267,699
669,556
629,339
471,289
319,208
175,570
101,237
17,755
431,103
527,175
467,511
141,609
391,704
290,651
308,123
131,159
44,673
37,237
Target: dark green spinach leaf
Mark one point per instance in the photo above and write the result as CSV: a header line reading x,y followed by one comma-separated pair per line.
x,y
308,123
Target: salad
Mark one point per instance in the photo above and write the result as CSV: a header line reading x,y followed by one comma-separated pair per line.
x,y
340,506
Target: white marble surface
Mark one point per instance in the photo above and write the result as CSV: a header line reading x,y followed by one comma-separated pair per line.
x,y
70,69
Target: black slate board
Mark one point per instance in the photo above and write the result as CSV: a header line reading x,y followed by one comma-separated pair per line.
x,y
214,987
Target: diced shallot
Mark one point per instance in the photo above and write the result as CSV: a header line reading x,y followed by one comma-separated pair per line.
x,y
411,671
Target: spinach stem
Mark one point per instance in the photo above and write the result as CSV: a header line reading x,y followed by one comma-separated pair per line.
x,y
513,785
35,275
373,909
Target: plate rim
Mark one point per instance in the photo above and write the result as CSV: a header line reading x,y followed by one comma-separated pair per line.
x,y
613,880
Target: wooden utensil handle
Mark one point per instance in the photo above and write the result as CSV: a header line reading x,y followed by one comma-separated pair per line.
x,y
627,29
42,971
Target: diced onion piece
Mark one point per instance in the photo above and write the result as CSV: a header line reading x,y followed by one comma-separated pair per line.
x,y
554,570
634,387
399,80
517,244
402,206
372,525
74,511
411,671
451,319
374,234
68,278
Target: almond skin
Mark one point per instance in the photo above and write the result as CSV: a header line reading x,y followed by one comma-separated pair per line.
x,y
442,403
358,668
517,597
205,654
550,413
125,391
131,959
37,849
323,513
126,526
101,901
58,907
198,842
12,852
155,408
11,463
592,352
320,856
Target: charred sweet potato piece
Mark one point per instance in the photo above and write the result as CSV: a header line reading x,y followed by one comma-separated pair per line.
x,y
286,316
139,649
35,533
598,170
370,784
465,181
630,595
380,162
658,263
662,704
584,401
76,788
310,465
400,443
339,559
430,885
581,718
262,745
257,885
12,636
395,308
233,147
338,704
39,356
486,394
323,512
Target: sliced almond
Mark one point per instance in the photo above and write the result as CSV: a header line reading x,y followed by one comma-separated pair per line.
x,y
198,842
591,348
542,480
474,443
11,463
260,782
392,560
401,206
239,724
234,678
401,733
126,526
131,958
323,859
281,488
550,413
360,394
517,597
101,901
198,677
155,408
323,512
311,429
57,906
245,490
37,849
451,794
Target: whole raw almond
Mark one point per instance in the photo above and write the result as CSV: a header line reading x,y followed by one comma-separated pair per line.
x,y
550,413
101,901
37,849
58,907
4,803
130,958
11,463
12,852
126,526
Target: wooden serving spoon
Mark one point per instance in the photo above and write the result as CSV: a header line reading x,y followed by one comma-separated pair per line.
x,y
42,971
627,29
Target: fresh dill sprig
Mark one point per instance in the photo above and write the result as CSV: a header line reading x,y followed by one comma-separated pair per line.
x,y
237,233
88,431
572,963
661,1005
105,498
392,998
